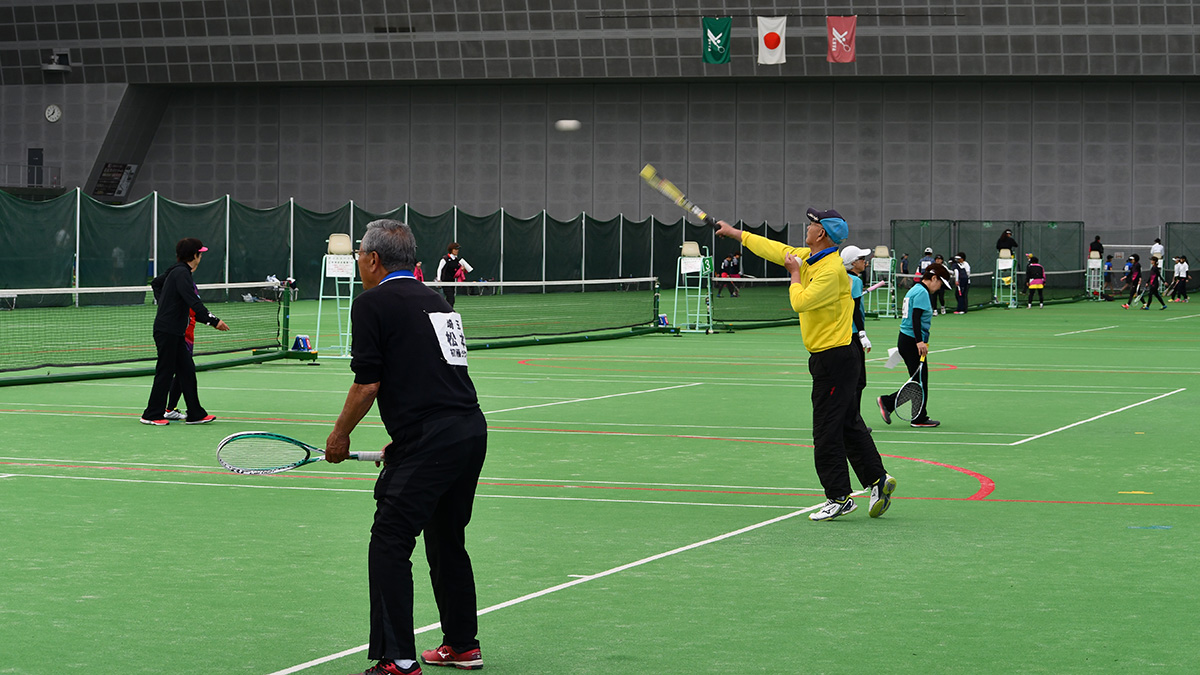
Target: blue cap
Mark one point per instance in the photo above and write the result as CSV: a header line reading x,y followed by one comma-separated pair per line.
x,y
836,228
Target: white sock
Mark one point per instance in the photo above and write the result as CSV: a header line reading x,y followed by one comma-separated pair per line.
x,y
404,664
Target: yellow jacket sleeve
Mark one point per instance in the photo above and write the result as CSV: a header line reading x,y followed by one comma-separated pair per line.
x,y
769,249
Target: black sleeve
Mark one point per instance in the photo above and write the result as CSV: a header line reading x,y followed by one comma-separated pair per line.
x,y
366,354
860,319
157,285
917,312
183,285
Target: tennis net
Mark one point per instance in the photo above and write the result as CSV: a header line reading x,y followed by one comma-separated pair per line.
x,y
749,300
511,310
66,327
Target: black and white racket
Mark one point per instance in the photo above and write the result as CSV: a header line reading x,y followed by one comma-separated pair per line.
x,y
262,452
910,400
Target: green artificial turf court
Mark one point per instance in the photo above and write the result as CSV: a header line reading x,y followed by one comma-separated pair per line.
x,y
643,510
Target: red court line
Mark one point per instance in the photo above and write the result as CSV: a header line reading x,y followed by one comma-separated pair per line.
x,y
986,485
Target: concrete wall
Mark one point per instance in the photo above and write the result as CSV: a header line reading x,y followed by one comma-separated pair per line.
x,y
71,143
1117,155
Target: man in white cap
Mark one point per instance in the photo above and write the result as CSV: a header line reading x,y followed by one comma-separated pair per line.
x,y
820,295
925,261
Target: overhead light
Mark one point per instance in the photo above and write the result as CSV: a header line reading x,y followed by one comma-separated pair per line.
x,y
59,61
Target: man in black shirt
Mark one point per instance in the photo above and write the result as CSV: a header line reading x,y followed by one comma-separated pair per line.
x,y
178,300
408,353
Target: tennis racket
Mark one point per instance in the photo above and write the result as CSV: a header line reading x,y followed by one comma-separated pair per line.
x,y
668,189
1141,291
262,452
910,400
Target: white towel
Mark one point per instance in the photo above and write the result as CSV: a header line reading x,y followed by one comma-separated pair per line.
x,y
893,357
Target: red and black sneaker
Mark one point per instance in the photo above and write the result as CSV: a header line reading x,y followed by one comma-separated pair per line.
x,y
446,656
202,420
883,411
388,667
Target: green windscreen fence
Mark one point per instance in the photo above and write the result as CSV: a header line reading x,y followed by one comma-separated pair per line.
x,y
259,243
1060,249
37,242
635,248
977,240
752,265
564,249
523,241
1182,239
601,248
1058,245
914,236
433,234
205,222
480,241
114,248
310,232
117,245
668,239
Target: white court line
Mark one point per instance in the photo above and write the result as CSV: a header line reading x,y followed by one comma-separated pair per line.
x,y
932,352
593,398
569,584
1189,316
1091,419
597,500
1089,330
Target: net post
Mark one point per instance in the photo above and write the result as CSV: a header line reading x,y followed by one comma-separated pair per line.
x,y
228,199
285,320
654,314
292,237
77,266
154,235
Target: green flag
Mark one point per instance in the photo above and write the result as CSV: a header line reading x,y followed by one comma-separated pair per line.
x,y
716,39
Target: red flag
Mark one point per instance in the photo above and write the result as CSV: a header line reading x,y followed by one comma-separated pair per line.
x,y
841,38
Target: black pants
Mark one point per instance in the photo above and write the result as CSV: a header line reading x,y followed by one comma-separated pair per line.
x,y
176,386
448,291
839,432
1041,299
1133,289
912,359
174,362
1151,294
962,298
427,484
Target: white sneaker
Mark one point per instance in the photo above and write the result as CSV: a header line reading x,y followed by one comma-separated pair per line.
x,y
175,415
833,508
881,496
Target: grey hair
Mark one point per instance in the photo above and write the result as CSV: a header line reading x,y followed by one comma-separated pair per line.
x,y
393,241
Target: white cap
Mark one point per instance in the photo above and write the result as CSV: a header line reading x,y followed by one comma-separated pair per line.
x,y
852,253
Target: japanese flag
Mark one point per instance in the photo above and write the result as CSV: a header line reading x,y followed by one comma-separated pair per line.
x,y
772,33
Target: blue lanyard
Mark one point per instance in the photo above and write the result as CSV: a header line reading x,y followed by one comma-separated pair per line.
x,y
398,273
819,254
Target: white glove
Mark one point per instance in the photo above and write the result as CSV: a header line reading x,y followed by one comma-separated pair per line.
x,y
866,343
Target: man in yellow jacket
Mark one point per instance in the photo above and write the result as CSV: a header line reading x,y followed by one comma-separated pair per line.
x,y
820,294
